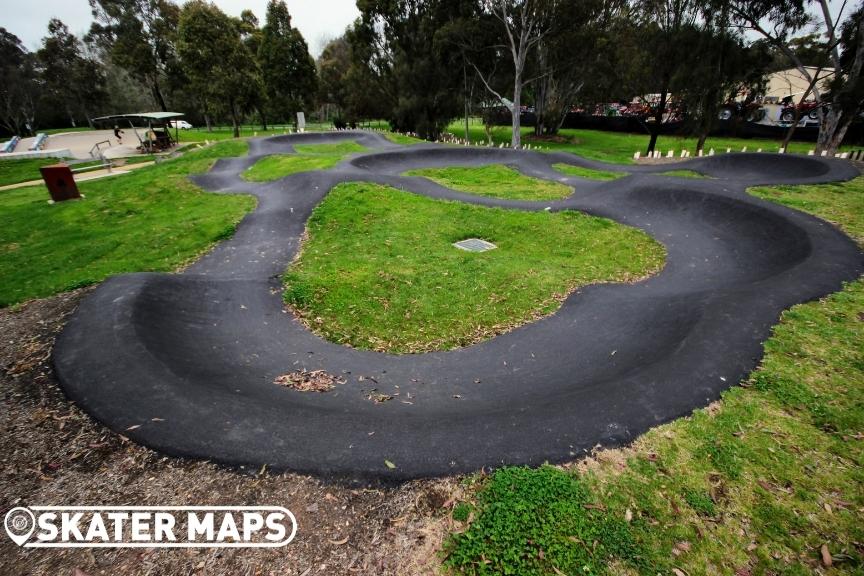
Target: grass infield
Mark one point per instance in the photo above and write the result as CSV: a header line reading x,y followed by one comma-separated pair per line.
x,y
495,180
379,271
309,157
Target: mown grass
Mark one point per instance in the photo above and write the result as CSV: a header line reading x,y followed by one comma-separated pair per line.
x,y
759,483
275,167
15,171
378,270
495,180
589,173
840,202
339,148
402,139
151,219
24,170
683,174
309,157
617,147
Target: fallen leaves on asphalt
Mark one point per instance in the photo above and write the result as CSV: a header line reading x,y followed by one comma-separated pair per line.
x,y
309,381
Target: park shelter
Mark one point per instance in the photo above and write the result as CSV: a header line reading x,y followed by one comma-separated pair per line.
x,y
158,134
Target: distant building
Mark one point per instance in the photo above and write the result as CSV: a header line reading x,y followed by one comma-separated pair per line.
x,y
793,83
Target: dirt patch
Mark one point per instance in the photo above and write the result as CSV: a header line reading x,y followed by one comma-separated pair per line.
x,y
53,453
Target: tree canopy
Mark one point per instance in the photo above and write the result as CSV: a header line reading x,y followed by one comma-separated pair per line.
x,y
420,64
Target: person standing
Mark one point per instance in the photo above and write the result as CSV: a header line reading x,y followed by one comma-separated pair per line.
x,y
118,133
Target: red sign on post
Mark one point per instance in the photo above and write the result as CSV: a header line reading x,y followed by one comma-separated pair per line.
x,y
60,182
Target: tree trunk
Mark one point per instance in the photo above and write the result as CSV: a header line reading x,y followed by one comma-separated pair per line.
x,y
540,108
234,121
157,95
658,120
208,122
703,136
516,139
791,132
832,131
465,80
263,118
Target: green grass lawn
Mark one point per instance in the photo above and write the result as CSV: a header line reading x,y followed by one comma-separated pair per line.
x,y
757,483
495,180
279,166
308,157
589,173
378,270
402,139
27,169
683,174
617,147
151,219
337,149
15,171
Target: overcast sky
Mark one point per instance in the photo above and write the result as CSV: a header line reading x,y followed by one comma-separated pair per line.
x,y
318,20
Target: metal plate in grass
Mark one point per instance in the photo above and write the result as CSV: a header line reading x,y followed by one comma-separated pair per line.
x,y
474,245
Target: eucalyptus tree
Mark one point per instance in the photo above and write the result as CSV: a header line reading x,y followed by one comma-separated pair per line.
x,y
73,81
287,70
780,21
401,53
140,37
576,59
19,85
216,61
523,25
665,28
333,66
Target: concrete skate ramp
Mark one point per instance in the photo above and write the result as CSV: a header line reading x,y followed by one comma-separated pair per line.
x,y
185,363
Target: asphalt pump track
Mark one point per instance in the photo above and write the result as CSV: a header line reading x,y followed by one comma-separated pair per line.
x,y
185,363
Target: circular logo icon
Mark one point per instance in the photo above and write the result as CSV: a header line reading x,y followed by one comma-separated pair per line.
x,y
19,524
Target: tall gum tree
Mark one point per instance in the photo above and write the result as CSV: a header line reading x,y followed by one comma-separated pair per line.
x,y
287,70
778,21
525,24
140,36
215,59
19,85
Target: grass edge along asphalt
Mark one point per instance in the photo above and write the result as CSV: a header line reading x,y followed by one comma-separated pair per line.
x,y
308,157
153,219
378,269
766,480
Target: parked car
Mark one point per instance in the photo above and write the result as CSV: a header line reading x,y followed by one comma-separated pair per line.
x,y
181,124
